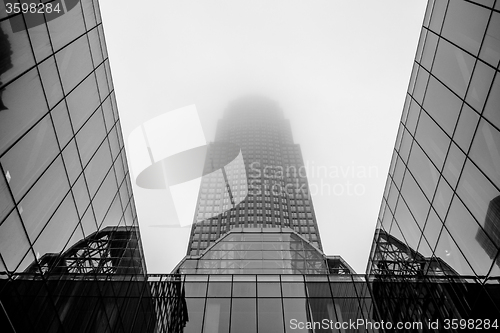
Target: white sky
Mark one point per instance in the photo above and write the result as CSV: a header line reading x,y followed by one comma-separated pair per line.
x,y
339,69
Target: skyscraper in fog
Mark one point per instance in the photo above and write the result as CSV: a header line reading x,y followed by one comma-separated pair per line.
x,y
268,189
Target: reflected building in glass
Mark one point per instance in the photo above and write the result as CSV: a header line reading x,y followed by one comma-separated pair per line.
x,y
67,217
439,214
268,189
70,251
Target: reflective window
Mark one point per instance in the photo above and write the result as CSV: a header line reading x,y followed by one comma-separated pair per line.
x,y
196,309
429,50
442,105
454,163
448,251
453,67
58,28
295,310
270,315
466,233
244,289
43,198
438,15
21,58
243,315
6,203
480,85
26,161
219,289
476,191
442,198
420,85
74,62
14,120
490,51
485,151
13,241
424,172
58,230
79,111
465,24
493,104
91,136
432,140
407,224
465,127
432,229
217,315
62,124
418,204
50,81
413,114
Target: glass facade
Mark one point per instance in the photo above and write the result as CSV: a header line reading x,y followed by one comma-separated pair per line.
x,y
258,250
64,172
437,231
70,252
268,190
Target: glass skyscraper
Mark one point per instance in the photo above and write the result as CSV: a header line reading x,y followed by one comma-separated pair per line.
x,y
270,186
71,258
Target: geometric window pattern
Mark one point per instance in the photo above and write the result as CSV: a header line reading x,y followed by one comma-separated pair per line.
x,y
440,198
64,173
277,188
113,250
258,251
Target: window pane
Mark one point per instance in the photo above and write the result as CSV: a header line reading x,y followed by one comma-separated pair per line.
x,y
74,62
295,310
469,237
424,172
195,308
270,315
217,315
485,151
480,85
453,66
442,105
43,198
244,316
432,139
23,94
416,200
465,25
80,112
493,104
13,241
476,191
465,128
26,161
490,51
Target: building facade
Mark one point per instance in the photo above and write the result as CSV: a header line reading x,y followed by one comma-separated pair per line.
x,y
439,216
268,190
68,225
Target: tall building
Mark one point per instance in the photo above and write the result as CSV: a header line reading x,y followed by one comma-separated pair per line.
x,y
439,216
268,189
70,252
68,226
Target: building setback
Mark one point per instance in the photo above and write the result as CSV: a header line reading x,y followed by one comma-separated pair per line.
x,y
70,252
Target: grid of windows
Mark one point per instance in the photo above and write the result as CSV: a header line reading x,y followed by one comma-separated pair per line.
x,y
272,176
441,197
64,172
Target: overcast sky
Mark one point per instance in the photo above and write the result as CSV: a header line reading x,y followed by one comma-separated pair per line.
x,y
339,70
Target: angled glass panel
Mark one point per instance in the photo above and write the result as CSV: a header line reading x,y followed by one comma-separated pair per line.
x,y
244,315
453,67
270,315
465,25
26,161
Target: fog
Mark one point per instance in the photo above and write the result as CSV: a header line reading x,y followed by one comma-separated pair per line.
x,y
338,69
